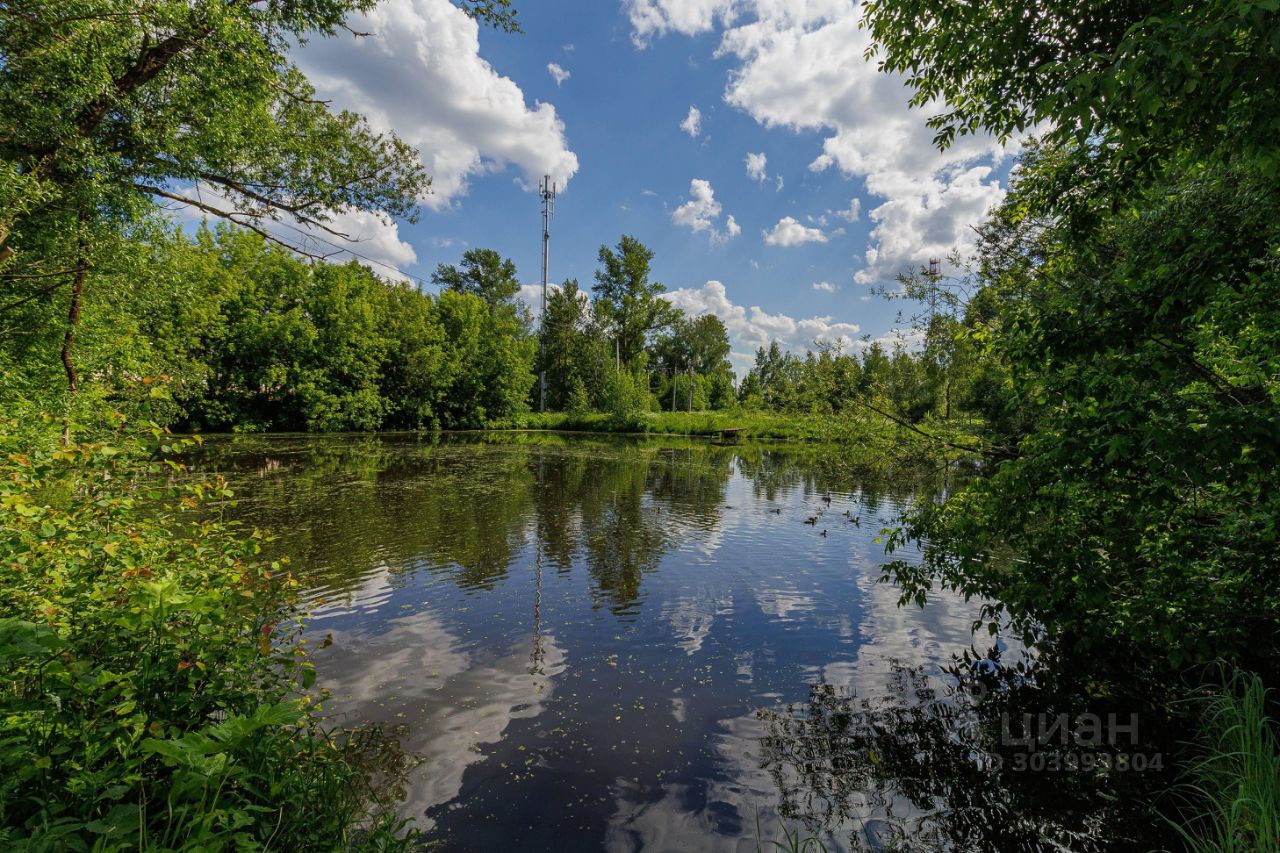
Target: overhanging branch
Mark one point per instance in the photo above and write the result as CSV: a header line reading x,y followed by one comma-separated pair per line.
x,y
236,217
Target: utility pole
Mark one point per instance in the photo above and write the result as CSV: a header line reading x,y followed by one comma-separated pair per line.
x,y
934,274
547,190
537,654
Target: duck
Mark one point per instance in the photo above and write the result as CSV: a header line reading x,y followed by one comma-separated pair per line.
x,y
813,519
823,533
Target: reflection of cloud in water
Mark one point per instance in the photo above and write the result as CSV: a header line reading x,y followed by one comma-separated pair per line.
x,y
720,813
374,590
710,542
892,638
659,818
907,636
456,700
691,618
782,603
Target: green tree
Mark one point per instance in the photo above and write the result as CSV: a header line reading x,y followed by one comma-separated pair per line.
x,y
484,273
260,339
694,355
104,111
627,303
413,374
1128,329
571,351
1135,79
488,358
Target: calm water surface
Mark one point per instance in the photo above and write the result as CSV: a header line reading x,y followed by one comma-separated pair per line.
x,y
620,645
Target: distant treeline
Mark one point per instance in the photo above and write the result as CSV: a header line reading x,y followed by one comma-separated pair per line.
x,y
244,335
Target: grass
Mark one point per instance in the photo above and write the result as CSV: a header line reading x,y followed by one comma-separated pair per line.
x,y
1235,782
754,425
792,841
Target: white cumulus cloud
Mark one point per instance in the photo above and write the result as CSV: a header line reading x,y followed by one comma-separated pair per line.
x,y
650,18
852,213
824,287
557,73
692,123
420,74
801,66
789,232
732,228
754,327
701,212
531,296
756,167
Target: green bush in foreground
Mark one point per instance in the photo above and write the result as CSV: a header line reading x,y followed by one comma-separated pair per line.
x,y
149,689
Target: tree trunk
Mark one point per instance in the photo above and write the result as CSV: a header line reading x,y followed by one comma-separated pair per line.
x,y
73,320
69,340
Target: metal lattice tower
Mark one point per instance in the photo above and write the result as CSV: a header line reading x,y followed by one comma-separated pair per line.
x,y
935,273
547,191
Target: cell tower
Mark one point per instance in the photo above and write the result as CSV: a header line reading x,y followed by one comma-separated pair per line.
x,y
935,273
547,190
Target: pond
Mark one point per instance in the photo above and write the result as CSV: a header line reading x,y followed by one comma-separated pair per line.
x,y
622,644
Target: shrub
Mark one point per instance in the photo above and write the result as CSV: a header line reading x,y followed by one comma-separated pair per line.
x,y
625,394
150,667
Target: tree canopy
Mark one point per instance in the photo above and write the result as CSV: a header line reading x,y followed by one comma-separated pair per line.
x,y
483,273
1124,330
627,303
1142,77
108,110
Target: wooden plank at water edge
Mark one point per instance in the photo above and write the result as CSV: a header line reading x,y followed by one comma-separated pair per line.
x,y
730,435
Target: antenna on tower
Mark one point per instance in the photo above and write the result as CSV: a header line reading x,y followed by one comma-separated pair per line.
x,y
547,191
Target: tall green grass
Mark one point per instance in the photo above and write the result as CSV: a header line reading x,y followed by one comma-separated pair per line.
x,y
1234,780
752,424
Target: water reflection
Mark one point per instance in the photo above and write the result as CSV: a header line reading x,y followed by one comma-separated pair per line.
x,y
940,765
623,644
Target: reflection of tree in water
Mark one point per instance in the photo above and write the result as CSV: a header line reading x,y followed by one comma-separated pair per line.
x,y
623,534
344,505
468,506
815,472
771,473
621,510
690,483
926,770
384,767
467,510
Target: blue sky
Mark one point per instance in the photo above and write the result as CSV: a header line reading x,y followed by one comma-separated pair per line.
x,y
781,78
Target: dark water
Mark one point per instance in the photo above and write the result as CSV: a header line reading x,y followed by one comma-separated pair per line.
x,y
621,645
